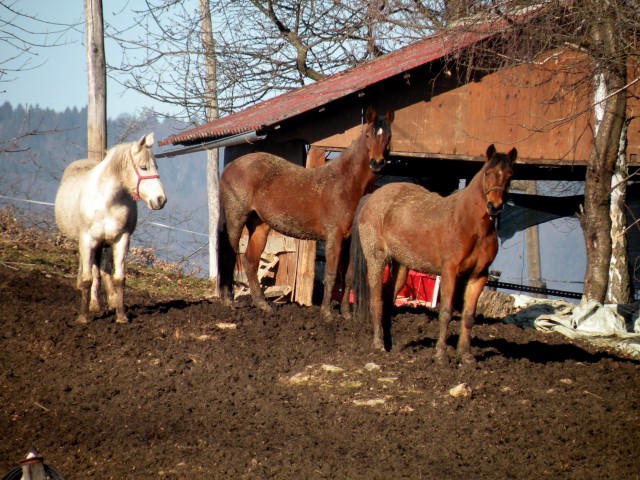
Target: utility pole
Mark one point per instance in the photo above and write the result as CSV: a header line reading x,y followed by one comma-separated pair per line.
x,y
213,159
97,77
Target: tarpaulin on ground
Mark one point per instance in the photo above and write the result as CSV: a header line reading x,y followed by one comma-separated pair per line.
x,y
614,326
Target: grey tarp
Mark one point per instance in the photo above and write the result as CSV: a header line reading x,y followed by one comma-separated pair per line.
x,y
524,211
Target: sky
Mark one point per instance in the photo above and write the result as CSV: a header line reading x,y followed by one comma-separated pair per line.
x,y
59,77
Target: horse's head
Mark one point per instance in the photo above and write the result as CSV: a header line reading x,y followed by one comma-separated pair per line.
x,y
148,185
498,170
378,136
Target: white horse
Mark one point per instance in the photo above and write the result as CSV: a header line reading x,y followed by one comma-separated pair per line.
x,y
96,205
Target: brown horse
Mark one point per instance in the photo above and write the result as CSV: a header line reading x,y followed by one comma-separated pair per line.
x,y
412,228
266,192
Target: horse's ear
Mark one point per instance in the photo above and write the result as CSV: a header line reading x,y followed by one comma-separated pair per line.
x,y
491,151
390,116
371,114
145,141
513,154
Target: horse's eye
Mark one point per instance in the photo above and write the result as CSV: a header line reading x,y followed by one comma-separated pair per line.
x,y
144,167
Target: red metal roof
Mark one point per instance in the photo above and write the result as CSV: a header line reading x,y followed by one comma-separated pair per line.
x,y
301,100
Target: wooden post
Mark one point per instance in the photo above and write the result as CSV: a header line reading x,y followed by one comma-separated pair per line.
x,y
97,78
306,263
532,240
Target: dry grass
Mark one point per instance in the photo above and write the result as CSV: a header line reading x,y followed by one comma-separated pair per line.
x,y
44,249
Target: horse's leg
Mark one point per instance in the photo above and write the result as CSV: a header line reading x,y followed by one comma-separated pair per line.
x,y
344,271
376,262
447,288
106,272
85,276
95,305
345,303
258,233
333,247
235,218
471,296
397,278
227,255
79,277
119,250
401,274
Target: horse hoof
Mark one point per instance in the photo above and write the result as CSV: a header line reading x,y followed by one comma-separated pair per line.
x,y
467,359
346,315
228,302
441,358
265,307
326,314
82,319
379,345
95,308
122,319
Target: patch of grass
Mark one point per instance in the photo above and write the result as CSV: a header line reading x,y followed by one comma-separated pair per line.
x,y
44,250
167,283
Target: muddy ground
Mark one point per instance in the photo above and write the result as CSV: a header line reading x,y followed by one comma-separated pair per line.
x,y
192,389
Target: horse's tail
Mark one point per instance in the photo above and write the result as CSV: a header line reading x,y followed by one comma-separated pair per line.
x,y
358,278
226,259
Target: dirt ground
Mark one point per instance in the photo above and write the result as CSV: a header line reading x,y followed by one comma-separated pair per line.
x,y
192,389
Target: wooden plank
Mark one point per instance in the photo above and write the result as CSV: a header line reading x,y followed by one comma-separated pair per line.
x,y
529,107
276,244
305,274
306,260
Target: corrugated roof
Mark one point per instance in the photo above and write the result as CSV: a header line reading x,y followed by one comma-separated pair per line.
x,y
288,105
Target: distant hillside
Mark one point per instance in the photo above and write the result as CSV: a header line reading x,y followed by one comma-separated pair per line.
x,y
37,144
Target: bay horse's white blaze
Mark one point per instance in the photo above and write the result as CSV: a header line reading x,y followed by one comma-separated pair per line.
x,y
96,205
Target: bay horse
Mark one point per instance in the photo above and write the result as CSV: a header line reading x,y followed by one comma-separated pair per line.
x,y
408,227
264,192
96,206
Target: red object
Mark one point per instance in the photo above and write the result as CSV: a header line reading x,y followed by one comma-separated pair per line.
x,y
421,289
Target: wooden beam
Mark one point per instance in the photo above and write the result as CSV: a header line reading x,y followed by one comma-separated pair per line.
x,y
306,262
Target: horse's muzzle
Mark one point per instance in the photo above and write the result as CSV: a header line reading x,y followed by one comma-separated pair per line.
x,y
377,165
156,203
494,210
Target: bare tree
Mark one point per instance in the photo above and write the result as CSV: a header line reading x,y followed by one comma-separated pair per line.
x,y
263,48
22,36
607,40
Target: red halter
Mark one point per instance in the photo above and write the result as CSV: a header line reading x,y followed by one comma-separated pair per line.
x,y
136,194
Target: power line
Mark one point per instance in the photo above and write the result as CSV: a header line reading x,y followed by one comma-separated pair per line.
x,y
25,200
150,223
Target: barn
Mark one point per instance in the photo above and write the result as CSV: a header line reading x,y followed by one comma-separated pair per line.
x,y
449,106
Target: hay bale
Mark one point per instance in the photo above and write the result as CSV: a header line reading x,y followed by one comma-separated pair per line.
x,y
496,305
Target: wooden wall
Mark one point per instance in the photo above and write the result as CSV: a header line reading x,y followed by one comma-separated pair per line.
x,y
541,110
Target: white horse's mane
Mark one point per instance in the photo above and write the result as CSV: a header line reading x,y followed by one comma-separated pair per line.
x,y
119,157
